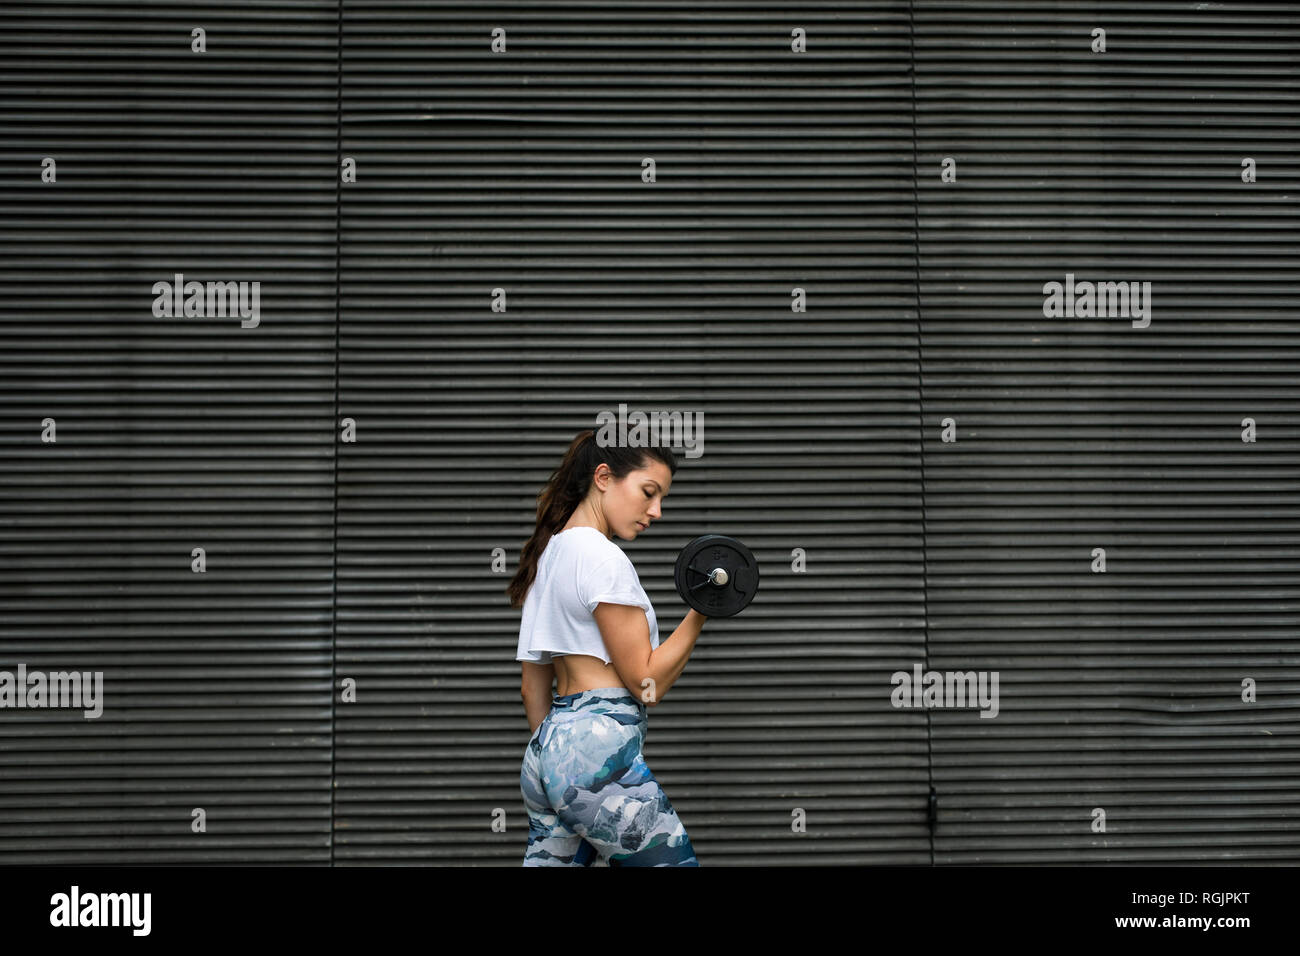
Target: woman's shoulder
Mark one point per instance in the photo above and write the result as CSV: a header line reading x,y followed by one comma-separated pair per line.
x,y
584,540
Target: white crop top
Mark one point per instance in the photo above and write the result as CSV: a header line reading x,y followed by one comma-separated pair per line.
x,y
579,568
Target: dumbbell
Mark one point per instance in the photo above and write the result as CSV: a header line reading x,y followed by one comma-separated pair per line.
x,y
716,575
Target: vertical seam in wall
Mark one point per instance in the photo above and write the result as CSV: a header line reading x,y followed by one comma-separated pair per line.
x,y
920,392
338,279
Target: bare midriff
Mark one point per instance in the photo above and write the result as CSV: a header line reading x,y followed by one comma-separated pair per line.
x,y
575,673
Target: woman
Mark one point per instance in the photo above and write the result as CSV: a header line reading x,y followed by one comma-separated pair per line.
x,y
588,624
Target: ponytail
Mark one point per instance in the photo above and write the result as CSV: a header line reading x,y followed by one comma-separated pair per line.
x,y
566,489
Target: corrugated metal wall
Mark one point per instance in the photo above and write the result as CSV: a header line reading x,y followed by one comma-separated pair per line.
x,y
1121,690
174,433
366,555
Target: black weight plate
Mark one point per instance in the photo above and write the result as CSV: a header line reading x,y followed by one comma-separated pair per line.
x,y
699,558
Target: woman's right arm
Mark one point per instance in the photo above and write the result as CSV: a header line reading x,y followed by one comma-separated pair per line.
x,y
627,638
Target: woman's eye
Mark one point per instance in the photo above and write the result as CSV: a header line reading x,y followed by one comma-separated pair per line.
x,y
647,494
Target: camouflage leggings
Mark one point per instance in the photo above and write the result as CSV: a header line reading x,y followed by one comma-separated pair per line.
x,y
589,792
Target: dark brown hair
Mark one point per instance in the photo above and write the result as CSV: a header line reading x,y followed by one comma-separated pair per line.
x,y
567,487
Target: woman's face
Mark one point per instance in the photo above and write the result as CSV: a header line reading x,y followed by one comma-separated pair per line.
x,y
631,504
